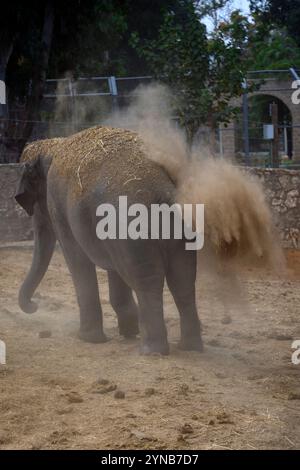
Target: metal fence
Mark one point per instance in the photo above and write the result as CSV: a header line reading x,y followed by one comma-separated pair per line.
x,y
70,105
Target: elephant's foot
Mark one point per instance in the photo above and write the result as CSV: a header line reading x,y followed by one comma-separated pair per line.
x,y
128,326
191,344
154,347
28,306
92,336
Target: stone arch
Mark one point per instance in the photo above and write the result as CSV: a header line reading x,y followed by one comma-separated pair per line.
x,y
282,90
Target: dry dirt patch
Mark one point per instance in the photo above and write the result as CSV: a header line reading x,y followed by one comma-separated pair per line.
x,y
243,392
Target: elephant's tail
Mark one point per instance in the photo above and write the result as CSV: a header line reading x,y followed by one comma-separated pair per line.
x,y
238,221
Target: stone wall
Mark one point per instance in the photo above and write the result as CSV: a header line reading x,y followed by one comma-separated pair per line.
x,y
15,224
283,193
282,190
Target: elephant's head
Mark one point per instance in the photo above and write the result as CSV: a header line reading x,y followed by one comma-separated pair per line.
x,y
31,185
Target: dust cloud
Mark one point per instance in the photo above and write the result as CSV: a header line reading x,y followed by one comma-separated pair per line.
x,y
239,229
238,221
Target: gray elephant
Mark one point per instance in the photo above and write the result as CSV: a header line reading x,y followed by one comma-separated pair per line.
x,y
62,184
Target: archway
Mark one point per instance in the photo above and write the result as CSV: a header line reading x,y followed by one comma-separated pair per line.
x,y
259,115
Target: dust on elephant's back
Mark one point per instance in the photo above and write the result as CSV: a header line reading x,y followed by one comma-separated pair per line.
x,y
118,155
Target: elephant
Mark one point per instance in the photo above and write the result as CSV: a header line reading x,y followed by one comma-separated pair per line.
x,y
63,181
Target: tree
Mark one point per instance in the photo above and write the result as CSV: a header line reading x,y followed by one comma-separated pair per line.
x,y
215,10
203,72
15,20
51,38
285,13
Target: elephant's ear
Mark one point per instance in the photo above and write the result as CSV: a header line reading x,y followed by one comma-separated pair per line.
x,y
28,188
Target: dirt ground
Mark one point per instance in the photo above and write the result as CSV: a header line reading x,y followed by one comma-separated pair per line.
x,y
243,392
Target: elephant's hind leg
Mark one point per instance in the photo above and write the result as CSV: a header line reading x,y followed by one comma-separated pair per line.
x,y
152,325
122,301
85,281
181,278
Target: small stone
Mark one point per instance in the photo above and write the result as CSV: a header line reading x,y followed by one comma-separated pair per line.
x,y
220,375
293,396
211,422
184,388
142,436
45,334
103,386
224,418
64,411
119,394
149,391
226,320
74,397
102,382
186,429
105,389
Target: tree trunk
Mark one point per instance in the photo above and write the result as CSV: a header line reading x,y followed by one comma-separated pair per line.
x,y
39,75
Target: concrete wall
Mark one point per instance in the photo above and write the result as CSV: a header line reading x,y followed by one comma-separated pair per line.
x,y
282,190
15,224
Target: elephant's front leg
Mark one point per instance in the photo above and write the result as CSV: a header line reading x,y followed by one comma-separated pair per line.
x,y
122,301
84,277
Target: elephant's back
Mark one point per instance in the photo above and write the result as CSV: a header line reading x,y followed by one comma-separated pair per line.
x,y
116,159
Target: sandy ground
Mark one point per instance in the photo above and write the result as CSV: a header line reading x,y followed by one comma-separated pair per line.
x,y
60,393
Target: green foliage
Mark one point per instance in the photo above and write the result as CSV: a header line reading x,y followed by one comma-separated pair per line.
x,y
203,72
166,38
273,43
285,13
278,51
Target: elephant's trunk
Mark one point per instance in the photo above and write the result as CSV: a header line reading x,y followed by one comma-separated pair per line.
x,y
44,244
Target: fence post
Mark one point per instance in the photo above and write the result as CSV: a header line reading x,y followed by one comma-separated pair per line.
x,y
275,146
73,105
2,96
221,142
113,89
246,124
3,114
